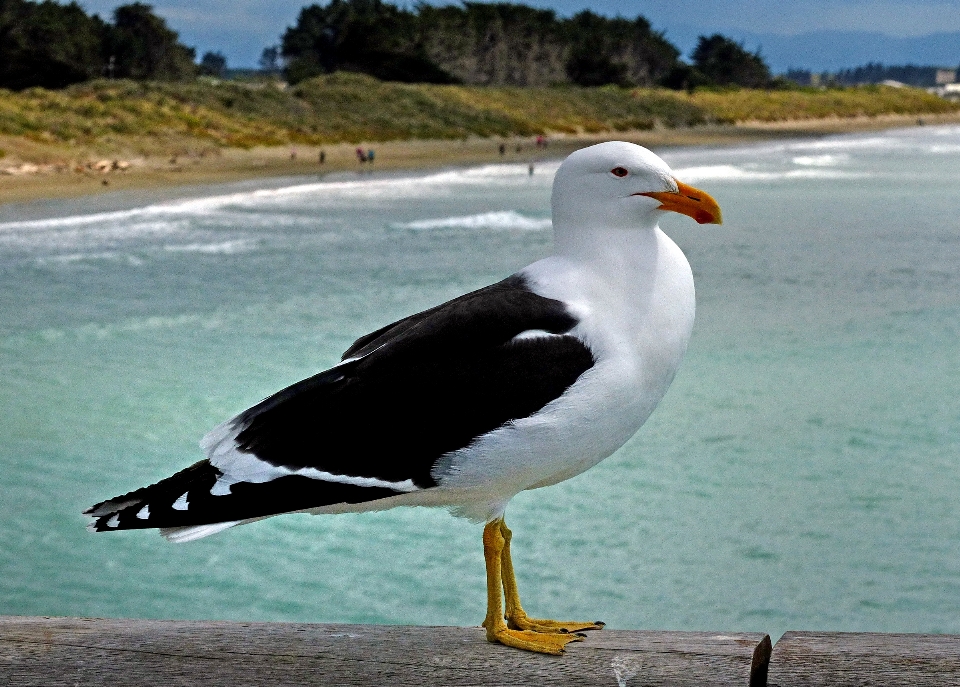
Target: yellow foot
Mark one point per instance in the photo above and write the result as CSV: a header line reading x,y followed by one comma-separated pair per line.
x,y
533,641
522,622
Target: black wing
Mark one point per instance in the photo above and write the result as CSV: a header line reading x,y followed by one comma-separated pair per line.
x,y
404,396
421,387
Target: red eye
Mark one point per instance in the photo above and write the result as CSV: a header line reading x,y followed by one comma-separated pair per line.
x,y
619,171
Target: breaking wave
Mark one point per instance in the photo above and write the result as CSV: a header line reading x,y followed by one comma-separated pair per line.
x,y
734,173
506,219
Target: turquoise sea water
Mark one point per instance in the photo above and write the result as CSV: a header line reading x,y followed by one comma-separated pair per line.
x,y
802,473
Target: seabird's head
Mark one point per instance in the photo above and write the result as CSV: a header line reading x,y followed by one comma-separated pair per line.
x,y
619,184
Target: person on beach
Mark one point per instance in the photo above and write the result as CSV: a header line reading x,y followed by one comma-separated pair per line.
x,y
323,156
361,156
370,155
503,149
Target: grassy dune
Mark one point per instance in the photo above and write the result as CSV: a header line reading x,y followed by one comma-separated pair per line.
x,y
150,117
331,109
863,101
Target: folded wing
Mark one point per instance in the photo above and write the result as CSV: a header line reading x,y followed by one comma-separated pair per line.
x,y
375,425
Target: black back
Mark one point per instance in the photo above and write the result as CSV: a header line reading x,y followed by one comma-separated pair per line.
x,y
426,385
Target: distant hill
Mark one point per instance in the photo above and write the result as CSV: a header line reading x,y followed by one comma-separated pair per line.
x,y
832,51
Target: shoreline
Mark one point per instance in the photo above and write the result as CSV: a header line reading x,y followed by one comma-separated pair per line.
x,y
230,165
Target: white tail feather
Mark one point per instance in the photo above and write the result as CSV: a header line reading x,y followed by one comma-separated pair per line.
x,y
179,535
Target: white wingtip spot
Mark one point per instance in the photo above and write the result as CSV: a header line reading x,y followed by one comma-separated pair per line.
x,y
181,503
144,513
114,521
110,506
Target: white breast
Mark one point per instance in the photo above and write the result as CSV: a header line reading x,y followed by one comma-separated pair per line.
x,y
637,319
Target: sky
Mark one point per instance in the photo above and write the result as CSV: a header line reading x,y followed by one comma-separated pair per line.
x,y
240,29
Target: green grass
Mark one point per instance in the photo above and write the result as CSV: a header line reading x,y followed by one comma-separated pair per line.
x,y
809,103
352,108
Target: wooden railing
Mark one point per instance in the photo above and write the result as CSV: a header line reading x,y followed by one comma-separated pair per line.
x,y
78,652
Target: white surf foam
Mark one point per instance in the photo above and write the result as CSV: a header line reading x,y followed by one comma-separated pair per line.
x,y
97,331
850,143
222,248
506,219
381,188
734,173
75,258
117,217
821,160
711,172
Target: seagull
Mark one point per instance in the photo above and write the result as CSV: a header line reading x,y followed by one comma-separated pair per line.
x,y
518,385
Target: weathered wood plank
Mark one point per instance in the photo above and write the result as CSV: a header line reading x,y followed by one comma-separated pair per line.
x,y
49,652
805,659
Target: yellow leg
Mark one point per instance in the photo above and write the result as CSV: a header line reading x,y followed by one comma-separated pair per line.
x,y
497,630
517,618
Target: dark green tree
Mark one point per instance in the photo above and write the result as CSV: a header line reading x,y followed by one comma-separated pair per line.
x,y
593,60
47,44
616,51
684,77
493,43
270,60
213,64
367,36
724,62
145,48
476,42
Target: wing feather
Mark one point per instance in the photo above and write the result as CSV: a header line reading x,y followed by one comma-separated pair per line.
x,y
374,426
421,387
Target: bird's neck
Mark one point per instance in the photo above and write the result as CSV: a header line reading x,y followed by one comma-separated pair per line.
x,y
616,252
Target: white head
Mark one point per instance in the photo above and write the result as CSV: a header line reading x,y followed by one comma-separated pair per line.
x,y
619,185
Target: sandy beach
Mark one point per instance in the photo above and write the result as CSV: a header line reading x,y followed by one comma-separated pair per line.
x,y
232,164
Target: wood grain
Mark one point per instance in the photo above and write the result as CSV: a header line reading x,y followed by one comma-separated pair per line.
x,y
78,652
805,659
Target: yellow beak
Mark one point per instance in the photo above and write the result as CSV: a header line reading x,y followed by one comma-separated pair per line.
x,y
689,201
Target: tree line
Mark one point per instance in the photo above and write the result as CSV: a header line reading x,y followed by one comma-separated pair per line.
x,y
503,44
921,76
54,45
